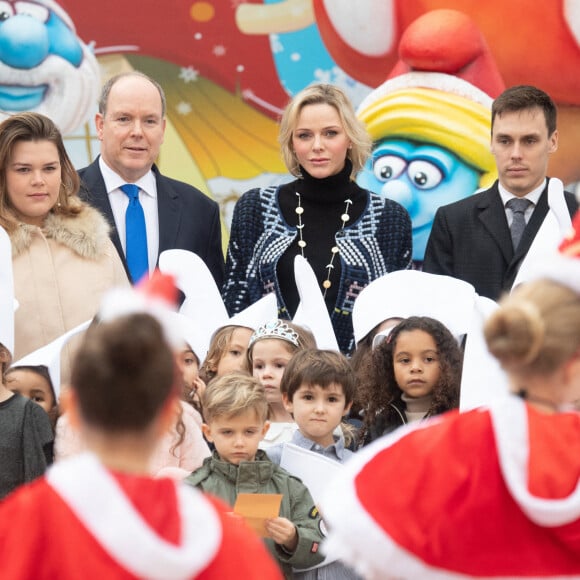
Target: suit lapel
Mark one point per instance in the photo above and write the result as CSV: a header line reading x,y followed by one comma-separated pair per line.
x,y
528,236
533,225
96,194
169,211
492,216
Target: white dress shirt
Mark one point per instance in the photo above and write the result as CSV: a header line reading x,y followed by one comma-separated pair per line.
x,y
119,203
533,196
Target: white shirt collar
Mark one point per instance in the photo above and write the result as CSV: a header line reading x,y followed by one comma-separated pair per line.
x,y
533,196
113,181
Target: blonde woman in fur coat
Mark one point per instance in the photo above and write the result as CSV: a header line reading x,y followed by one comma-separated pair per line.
x,y
62,256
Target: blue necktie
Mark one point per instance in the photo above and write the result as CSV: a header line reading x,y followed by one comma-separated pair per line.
x,y
135,234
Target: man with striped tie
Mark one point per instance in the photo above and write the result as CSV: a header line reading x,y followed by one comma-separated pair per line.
x,y
483,239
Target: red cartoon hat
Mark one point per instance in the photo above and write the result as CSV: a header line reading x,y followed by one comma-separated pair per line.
x,y
449,42
440,91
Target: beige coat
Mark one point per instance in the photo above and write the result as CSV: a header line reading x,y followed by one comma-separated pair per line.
x,y
60,275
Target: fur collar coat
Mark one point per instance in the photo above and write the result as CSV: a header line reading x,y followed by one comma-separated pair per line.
x,y
61,272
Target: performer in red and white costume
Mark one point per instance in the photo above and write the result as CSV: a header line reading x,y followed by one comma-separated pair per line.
x,y
99,514
492,493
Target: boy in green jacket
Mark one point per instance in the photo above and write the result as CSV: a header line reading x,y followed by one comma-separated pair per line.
x,y
235,413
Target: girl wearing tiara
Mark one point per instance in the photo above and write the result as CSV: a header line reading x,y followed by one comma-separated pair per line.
x,y
271,347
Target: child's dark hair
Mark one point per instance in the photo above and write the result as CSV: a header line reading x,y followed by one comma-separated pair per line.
x,y
321,368
378,387
41,371
123,373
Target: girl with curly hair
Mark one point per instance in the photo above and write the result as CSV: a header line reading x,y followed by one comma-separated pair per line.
x,y
414,374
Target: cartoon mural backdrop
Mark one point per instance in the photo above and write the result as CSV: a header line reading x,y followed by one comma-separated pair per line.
x,y
229,67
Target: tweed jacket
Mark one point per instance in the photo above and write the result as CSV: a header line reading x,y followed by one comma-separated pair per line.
x,y
377,243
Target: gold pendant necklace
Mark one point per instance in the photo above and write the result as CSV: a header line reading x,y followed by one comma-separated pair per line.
x,y
334,250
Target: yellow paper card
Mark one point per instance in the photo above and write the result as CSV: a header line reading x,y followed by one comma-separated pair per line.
x,y
256,508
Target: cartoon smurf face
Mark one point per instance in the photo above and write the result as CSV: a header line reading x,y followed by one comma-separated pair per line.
x,y
44,67
421,177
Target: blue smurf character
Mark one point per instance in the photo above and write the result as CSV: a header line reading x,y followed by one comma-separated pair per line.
x,y
431,136
44,66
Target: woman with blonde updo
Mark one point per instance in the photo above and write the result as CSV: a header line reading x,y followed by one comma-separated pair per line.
x,y
535,334
470,492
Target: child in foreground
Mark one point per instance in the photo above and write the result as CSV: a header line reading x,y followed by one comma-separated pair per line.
x,y
318,389
412,375
113,519
235,411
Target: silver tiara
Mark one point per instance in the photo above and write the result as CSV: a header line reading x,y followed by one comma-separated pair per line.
x,y
275,329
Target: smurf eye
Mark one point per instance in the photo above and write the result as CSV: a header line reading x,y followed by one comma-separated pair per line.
x,y
32,9
388,167
424,174
6,11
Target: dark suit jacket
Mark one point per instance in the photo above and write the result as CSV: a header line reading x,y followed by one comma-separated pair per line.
x,y
470,240
188,219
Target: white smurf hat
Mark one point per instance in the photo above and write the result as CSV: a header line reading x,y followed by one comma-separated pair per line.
x,y
49,356
407,293
203,303
7,303
312,313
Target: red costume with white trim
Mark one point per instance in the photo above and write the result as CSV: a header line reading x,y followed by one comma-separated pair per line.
x,y
493,493
82,521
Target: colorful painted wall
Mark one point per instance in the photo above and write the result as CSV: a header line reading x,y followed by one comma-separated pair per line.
x,y
229,67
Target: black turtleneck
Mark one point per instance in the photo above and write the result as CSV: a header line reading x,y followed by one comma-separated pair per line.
x,y
323,201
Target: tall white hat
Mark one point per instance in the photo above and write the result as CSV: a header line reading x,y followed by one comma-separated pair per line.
x,y
312,312
49,355
203,303
407,293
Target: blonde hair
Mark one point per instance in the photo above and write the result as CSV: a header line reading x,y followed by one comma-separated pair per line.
x,y
217,348
317,94
233,394
536,329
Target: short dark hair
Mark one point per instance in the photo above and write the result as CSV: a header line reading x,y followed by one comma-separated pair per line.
x,y
321,368
521,97
123,373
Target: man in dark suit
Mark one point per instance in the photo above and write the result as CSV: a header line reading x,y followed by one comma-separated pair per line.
x,y
475,239
131,126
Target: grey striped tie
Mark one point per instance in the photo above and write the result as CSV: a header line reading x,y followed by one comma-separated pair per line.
x,y
518,207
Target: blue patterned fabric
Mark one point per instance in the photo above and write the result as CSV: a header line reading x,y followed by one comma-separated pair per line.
x,y
377,243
